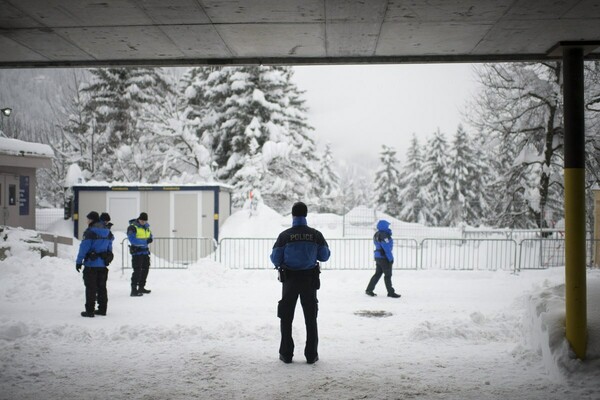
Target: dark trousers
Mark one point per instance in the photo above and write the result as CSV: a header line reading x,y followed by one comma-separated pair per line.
x,y
382,267
141,266
94,279
305,285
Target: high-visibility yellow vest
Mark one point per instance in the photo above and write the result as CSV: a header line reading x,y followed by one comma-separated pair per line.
x,y
141,232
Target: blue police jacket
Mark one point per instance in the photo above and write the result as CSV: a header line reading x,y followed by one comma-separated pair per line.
x,y
97,240
384,244
299,247
139,236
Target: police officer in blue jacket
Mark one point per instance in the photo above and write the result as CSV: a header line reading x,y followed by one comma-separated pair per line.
x,y
140,237
95,253
384,259
296,254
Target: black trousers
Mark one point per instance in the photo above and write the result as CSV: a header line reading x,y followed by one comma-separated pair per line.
x,y
141,267
95,279
382,267
303,284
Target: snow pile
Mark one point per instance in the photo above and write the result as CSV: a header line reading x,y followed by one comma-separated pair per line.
x,y
546,320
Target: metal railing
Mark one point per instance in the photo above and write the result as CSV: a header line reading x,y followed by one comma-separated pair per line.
x,y
469,254
547,253
173,253
357,254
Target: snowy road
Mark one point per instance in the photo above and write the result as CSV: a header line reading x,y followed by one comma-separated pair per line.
x,y
209,332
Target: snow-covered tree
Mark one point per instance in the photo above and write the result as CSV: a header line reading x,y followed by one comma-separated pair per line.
x,y
256,113
413,196
436,178
466,202
330,196
123,106
520,110
387,190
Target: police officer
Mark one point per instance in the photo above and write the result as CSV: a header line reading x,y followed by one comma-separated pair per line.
x,y
95,251
140,237
384,259
295,255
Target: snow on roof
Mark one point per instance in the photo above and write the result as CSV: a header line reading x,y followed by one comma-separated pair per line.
x,y
18,147
94,183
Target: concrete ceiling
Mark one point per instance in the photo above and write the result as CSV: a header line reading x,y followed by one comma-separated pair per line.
x,y
42,33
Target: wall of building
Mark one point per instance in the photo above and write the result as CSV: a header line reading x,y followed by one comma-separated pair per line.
x,y
22,212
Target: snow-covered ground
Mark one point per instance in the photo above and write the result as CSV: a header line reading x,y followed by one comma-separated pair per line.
x,y
209,332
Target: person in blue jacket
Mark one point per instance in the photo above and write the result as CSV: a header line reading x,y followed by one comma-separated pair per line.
x,y
140,237
95,253
296,254
384,259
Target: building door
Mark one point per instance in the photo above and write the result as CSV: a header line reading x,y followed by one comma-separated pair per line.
x,y
185,232
9,199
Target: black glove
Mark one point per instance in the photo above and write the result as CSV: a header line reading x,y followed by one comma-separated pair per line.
x,y
78,267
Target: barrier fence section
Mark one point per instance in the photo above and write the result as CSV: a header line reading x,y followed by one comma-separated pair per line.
x,y
357,254
246,253
469,254
173,253
547,253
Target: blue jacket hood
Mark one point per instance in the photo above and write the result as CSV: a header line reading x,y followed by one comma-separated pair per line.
x,y
383,225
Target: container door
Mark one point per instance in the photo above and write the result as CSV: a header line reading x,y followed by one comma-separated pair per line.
x,y
186,223
122,206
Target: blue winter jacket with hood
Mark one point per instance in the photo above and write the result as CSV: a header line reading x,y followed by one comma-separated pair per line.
x,y
97,239
384,244
299,247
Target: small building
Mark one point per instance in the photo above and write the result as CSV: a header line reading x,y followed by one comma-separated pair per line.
x,y
19,161
174,211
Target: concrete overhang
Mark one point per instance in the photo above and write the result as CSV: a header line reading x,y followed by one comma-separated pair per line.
x,y
55,33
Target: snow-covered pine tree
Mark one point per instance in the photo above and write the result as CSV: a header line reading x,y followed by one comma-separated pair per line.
x,y
413,195
465,182
266,98
387,191
329,199
123,104
436,178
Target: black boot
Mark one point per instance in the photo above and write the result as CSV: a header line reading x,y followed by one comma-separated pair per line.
x,y
87,314
143,290
135,292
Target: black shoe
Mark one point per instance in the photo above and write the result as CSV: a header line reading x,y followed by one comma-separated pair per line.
x,y
394,295
287,360
312,360
98,312
144,290
135,293
87,314
370,293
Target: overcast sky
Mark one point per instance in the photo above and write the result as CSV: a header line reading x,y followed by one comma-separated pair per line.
x,y
359,108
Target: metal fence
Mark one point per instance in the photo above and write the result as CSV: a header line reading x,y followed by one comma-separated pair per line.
x,y
357,254
173,253
547,253
469,254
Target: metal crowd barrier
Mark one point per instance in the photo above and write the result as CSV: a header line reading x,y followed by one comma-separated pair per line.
x,y
357,254
469,254
547,253
173,253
